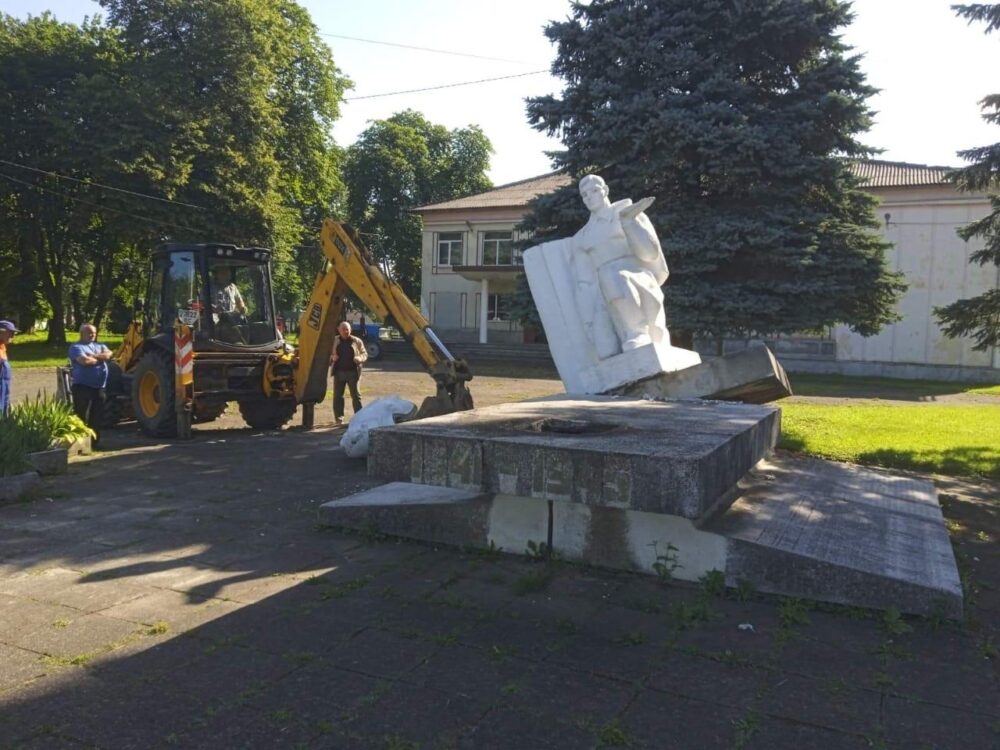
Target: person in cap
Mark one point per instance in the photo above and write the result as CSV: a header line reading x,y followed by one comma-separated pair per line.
x,y
7,331
90,377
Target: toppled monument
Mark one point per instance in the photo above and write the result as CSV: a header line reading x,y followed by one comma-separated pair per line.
x,y
645,464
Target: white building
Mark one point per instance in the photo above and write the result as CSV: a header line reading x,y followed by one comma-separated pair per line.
x,y
470,268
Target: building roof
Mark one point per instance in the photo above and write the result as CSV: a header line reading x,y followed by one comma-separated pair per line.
x,y
874,174
879,174
513,194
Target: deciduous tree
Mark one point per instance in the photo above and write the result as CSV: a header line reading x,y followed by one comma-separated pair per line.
x,y
403,162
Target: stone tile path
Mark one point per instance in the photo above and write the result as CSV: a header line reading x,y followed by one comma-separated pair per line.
x,y
183,596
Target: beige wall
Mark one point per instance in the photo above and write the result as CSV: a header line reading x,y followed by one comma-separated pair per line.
x,y
922,227
446,299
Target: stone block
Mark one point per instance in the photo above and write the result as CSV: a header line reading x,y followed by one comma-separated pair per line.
x,y
416,511
13,487
53,461
753,376
675,457
841,533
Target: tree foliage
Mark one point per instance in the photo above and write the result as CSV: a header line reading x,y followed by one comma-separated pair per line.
x,y
403,162
979,317
740,119
212,117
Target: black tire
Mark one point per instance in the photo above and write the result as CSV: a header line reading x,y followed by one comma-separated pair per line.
x,y
153,394
208,412
374,348
271,414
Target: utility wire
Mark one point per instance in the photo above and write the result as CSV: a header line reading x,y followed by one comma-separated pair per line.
x,y
98,205
101,185
445,86
426,49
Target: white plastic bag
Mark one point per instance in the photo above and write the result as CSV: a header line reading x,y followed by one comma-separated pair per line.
x,y
378,413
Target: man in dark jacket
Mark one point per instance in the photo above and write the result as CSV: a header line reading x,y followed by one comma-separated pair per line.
x,y
348,355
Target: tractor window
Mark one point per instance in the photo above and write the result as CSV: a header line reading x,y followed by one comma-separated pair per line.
x,y
241,303
181,290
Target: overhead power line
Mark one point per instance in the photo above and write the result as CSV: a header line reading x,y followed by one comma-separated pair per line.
x,y
92,183
97,205
427,49
444,86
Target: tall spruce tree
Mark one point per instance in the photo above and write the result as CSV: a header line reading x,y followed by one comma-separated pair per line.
x,y
740,118
979,317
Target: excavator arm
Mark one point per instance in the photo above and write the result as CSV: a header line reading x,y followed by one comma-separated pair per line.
x,y
349,267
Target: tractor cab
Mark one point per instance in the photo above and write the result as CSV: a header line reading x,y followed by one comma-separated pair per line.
x,y
223,292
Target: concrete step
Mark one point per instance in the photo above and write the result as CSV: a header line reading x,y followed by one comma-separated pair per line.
x,y
801,527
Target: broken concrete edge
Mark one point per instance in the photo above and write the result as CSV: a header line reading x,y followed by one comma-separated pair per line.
x,y
753,376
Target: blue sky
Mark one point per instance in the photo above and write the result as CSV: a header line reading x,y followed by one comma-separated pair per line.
x,y
932,69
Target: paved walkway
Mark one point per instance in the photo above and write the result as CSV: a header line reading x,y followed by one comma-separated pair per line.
x,y
182,596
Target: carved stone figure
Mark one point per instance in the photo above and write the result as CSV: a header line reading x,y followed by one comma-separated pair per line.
x,y
599,297
619,267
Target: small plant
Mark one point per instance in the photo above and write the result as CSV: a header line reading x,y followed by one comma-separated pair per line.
x,y
666,563
793,612
893,622
612,735
989,648
511,688
714,582
62,622
746,728
685,615
532,582
537,550
632,638
157,628
745,590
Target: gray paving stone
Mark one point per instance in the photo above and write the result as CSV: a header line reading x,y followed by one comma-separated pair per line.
x,y
18,666
658,720
81,636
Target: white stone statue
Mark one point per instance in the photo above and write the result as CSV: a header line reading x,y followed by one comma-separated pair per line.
x,y
619,268
599,297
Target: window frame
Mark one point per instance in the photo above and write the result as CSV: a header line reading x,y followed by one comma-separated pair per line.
x,y
459,241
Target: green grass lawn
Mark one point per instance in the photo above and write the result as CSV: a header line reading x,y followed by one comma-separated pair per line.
x,y
31,349
842,386
956,439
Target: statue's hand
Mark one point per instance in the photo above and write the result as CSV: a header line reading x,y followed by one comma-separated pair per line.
x,y
637,208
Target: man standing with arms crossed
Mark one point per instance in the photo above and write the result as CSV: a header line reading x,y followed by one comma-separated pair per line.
x,y
348,355
90,376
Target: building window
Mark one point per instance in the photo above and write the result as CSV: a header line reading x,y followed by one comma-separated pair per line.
x,y
449,249
498,249
497,307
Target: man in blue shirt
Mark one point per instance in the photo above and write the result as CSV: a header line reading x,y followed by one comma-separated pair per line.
x,y
90,376
7,331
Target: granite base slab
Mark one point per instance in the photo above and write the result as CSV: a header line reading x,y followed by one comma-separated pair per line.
x,y
681,458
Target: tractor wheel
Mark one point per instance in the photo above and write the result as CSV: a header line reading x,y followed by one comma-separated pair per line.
x,y
267,415
113,412
374,348
208,412
153,395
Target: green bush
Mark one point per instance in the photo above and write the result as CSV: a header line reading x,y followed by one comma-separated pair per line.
x,y
34,426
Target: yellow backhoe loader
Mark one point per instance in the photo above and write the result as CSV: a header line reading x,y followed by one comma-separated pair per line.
x,y
210,309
